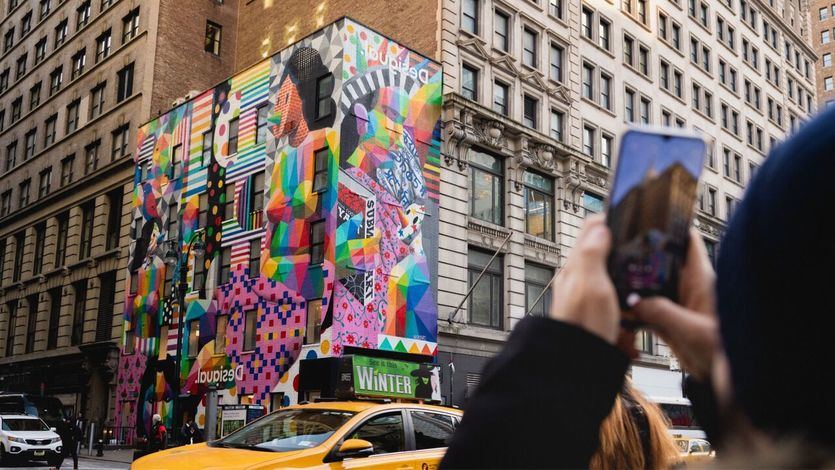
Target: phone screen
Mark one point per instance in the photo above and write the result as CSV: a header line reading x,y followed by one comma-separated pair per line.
x,y
650,210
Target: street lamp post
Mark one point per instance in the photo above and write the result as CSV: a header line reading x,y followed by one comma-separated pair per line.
x,y
174,259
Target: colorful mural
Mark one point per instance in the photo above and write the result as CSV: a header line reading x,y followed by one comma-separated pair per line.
x,y
312,180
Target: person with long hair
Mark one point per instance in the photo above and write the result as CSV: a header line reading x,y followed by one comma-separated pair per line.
x,y
634,435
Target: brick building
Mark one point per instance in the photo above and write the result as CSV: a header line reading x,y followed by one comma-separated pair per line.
x,y
822,31
76,80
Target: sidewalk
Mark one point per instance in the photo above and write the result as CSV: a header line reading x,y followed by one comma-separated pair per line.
x,y
114,455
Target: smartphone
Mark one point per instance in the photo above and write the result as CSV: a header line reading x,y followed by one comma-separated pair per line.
x,y
650,211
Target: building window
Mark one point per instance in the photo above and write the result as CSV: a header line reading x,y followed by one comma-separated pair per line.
x,y
130,25
603,30
588,82
502,31
193,338
606,91
225,265
17,269
255,258
320,169
103,46
825,36
529,111
324,86
24,194
469,16
44,183
555,8
486,300
125,85
250,329
55,79
91,157
317,242
79,308
86,243
588,140
114,218
500,98
54,318
529,39
538,289
556,62
233,137
628,51
262,124
8,40
10,331
37,259
83,15
119,148
21,66
26,23
711,201
97,96
469,80
6,203
606,150
40,50
586,20
487,187
66,170
11,155
212,42
61,240
221,323
79,60
60,33
629,105
208,142
17,109
827,59
30,140
314,322
34,96
539,211
557,122
827,83
643,60
50,130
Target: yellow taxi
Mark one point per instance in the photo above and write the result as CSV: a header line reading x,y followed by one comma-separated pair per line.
x,y
325,435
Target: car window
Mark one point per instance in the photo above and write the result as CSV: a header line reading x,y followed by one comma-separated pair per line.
x,y
695,447
288,430
384,431
22,424
682,445
432,430
705,446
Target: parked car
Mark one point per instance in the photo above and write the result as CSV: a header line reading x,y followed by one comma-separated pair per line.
x,y
695,450
336,435
27,437
47,408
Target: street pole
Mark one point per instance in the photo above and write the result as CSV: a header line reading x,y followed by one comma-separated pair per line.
x,y
181,300
211,413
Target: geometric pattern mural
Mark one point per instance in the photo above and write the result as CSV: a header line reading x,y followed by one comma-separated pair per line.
x,y
337,139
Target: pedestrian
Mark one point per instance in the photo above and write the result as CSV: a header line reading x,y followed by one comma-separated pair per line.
x,y
68,432
634,435
756,343
191,432
158,439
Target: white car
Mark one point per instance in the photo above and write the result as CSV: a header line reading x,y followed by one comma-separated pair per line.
x,y
26,437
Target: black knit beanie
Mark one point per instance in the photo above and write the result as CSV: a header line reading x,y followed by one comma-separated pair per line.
x,y
776,289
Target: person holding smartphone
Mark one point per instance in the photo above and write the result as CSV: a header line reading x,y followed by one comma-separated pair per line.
x,y
755,340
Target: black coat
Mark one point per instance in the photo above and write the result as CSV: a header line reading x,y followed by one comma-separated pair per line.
x,y
540,401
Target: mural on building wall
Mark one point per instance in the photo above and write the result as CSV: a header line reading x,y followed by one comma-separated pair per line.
x,y
312,178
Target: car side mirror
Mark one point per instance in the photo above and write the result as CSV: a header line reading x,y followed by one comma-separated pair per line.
x,y
53,429
356,448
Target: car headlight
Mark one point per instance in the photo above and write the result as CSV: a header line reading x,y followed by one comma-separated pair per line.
x,y
17,439
54,440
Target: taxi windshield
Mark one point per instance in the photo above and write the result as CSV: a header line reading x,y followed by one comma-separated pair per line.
x,y
287,430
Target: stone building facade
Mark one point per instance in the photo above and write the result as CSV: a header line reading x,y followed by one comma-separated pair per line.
x,y
76,80
537,95
822,31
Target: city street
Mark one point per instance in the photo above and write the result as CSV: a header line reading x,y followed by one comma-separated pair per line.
x,y
83,464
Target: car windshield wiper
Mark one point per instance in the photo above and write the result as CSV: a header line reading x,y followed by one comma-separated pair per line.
x,y
240,445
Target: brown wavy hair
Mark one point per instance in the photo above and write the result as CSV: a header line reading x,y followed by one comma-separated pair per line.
x,y
621,444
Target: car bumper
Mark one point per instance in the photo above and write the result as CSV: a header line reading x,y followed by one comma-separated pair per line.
x,y
28,452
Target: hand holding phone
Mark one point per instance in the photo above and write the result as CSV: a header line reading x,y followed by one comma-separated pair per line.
x,y
650,210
